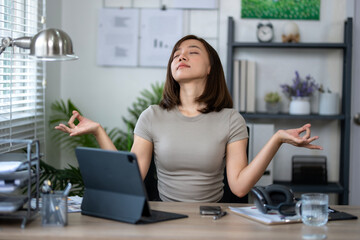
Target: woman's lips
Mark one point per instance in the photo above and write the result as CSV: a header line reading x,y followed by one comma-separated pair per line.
x,y
182,65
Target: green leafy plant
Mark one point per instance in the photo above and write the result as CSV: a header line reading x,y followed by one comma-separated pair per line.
x,y
272,97
123,140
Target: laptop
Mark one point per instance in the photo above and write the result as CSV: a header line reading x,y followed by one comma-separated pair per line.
x,y
114,188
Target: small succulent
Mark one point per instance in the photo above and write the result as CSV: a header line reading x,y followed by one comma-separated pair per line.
x,y
272,97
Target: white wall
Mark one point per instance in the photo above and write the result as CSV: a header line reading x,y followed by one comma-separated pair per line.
x,y
104,93
53,80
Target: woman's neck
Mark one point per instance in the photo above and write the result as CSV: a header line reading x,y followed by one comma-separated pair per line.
x,y
189,92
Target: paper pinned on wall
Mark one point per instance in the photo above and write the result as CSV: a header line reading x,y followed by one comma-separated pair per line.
x,y
198,4
160,30
118,37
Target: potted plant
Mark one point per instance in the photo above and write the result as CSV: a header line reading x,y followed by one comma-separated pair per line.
x,y
299,93
272,100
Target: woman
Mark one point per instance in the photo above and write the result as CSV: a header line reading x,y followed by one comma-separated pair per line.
x,y
194,132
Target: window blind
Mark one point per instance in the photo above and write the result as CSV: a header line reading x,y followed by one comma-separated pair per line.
x,y
22,91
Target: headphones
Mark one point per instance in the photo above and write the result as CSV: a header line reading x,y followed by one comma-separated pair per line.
x,y
274,197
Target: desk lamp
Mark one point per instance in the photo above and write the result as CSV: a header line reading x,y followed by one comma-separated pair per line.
x,y
47,45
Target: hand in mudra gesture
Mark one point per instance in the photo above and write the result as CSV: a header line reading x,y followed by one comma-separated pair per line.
x,y
85,126
292,136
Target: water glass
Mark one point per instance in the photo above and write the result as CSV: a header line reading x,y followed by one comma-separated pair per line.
x,y
313,209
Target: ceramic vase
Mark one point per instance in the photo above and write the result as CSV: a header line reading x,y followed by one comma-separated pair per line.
x,y
273,108
299,106
329,104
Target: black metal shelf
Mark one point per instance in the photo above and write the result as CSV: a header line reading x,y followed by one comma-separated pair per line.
x,y
264,115
331,187
342,187
289,45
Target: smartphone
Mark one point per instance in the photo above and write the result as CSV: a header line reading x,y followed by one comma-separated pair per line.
x,y
210,210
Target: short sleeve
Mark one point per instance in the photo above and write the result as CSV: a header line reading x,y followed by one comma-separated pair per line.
x,y
237,127
144,125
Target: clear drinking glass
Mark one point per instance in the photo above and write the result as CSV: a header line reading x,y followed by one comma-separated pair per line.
x,y
313,209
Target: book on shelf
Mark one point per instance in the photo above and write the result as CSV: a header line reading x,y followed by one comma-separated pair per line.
x,y
243,73
250,87
244,85
236,85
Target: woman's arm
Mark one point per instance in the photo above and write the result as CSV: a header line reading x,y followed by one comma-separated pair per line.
x,y
143,150
243,176
87,126
141,147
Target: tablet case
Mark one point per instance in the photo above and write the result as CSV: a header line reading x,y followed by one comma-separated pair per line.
x,y
337,215
114,188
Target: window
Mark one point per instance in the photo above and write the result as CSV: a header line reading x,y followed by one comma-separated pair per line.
x,y
22,106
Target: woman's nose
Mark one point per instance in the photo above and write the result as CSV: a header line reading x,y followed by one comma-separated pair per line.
x,y
182,57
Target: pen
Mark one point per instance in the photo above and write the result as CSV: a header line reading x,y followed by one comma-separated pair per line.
x,y
220,215
67,190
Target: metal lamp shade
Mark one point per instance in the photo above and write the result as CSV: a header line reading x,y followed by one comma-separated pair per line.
x,y
52,45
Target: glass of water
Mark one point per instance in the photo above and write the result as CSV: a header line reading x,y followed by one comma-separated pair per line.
x,y
313,209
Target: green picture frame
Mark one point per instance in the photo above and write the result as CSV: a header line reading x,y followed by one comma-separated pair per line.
x,y
281,9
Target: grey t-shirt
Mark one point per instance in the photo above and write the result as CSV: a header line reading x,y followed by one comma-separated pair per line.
x,y
189,152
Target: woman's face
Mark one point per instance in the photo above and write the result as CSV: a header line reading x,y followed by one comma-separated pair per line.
x,y
190,61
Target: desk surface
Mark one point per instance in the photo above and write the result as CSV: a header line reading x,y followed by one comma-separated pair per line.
x,y
232,226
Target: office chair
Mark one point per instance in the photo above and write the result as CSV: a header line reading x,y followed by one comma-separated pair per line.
x,y
150,182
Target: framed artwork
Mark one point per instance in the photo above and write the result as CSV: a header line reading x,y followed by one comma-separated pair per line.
x,y
281,9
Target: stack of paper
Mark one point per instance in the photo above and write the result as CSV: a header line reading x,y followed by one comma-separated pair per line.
x,y
270,218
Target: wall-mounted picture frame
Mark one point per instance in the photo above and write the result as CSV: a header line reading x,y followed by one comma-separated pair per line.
x,y
281,9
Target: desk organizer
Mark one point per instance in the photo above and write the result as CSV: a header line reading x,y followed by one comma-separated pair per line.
x,y
19,182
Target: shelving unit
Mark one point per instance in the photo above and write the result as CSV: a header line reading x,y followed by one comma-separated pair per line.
x,y
341,187
28,173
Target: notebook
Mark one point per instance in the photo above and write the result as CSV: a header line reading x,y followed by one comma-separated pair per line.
x,y
114,188
273,217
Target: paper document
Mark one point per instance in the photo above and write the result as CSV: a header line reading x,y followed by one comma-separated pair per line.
x,y
74,203
198,4
118,37
271,218
9,166
159,32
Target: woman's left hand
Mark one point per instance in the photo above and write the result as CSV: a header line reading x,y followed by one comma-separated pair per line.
x,y
292,136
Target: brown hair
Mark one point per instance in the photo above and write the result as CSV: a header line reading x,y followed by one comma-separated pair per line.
x,y
215,96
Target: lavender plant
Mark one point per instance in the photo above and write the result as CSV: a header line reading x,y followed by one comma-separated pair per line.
x,y
300,87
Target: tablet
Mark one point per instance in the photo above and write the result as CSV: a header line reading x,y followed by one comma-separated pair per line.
x,y
114,188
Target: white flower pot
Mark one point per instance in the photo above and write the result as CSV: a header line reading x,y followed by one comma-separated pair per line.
x,y
329,104
299,106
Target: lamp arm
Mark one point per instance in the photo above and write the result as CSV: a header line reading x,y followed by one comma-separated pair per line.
x,y
22,42
5,42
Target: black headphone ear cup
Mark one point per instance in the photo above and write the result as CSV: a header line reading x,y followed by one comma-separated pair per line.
x,y
279,194
259,199
266,195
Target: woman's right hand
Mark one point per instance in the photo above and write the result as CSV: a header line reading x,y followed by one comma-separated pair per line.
x,y
85,126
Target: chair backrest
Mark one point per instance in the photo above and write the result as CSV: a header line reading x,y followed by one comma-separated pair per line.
x,y
150,182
